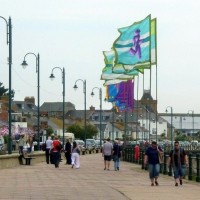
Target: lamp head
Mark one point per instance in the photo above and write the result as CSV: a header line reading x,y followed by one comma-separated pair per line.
x,y
75,87
24,64
92,93
52,77
166,110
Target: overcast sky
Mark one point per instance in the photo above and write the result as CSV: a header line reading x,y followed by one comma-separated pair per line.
x,y
73,33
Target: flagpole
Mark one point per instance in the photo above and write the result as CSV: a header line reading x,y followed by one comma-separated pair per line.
x,y
156,81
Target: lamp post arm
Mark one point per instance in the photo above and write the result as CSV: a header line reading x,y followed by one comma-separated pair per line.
x,y
8,26
62,73
37,60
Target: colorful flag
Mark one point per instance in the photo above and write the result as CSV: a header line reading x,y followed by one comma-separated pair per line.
x,y
153,41
107,72
121,94
133,46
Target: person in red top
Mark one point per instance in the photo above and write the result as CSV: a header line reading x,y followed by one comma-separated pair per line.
x,y
137,152
56,151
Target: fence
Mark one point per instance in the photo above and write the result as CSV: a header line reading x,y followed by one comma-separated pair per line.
x,y
193,170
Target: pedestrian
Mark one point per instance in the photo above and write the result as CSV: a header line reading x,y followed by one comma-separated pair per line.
x,y
75,156
48,146
29,144
56,148
68,149
107,153
116,155
152,159
178,160
137,153
21,144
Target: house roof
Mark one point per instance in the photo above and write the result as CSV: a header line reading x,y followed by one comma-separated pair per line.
x,y
56,106
23,106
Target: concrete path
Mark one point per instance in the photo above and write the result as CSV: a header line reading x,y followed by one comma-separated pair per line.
x,y
90,182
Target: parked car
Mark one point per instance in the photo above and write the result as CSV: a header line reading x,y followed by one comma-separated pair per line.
x,y
90,144
98,144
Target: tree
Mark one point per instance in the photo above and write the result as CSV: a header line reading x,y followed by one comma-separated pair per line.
x,y
4,91
79,131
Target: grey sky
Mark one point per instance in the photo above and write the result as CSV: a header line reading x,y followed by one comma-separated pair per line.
x,y
73,34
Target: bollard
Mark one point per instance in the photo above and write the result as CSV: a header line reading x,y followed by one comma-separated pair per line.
x,y
198,169
190,167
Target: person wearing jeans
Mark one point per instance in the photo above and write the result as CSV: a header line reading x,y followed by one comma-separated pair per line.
x,y
178,160
152,159
116,155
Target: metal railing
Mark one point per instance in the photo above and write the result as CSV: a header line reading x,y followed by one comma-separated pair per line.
x,y
193,168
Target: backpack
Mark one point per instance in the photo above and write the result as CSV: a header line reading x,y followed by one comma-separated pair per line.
x,y
59,146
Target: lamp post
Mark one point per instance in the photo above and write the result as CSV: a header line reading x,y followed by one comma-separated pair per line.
x,y
113,115
171,135
192,111
24,65
9,42
63,82
100,98
84,91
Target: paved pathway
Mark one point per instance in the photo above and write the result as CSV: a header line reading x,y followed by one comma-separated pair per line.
x,y
90,182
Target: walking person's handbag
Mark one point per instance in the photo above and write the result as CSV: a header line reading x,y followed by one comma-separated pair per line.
x,y
160,156
59,146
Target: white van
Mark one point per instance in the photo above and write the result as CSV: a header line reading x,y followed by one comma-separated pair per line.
x,y
69,136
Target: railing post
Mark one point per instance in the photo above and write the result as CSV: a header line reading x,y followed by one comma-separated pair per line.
x,y
165,163
198,170
133,156
142,158
170,170
190,167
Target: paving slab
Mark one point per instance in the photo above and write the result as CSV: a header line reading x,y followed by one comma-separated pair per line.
x,y
91,182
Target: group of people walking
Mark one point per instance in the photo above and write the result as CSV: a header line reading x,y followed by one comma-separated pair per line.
x,y
111,151
177,161
53,152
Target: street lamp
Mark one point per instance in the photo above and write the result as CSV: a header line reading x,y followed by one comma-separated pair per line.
x,y
100,98
84,91
113,118
192,111
24,65
9,42
171,135
63,82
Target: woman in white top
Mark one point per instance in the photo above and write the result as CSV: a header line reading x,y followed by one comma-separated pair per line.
x,y
75,155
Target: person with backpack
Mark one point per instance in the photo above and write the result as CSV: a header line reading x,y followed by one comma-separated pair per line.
x,y
178,160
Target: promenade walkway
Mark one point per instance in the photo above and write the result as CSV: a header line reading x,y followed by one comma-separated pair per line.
x,y
90,182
